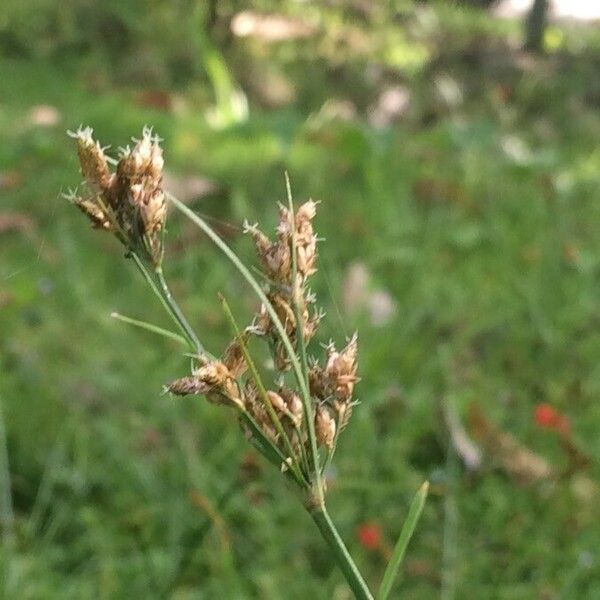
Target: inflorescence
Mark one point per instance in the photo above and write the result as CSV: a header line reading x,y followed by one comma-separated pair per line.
x,y
130,203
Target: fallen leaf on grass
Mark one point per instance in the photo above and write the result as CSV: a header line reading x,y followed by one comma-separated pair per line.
x,y
391,105
9,180
269,28
158,99
44,115
12,221
463,445
357,295
517,460
429,191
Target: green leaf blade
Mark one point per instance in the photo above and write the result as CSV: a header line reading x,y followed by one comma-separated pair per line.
x,y
391,571
150,327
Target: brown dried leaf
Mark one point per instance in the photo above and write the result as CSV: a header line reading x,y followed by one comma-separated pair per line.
x,y
9,180
44,115
517,460
269,28
464,446
12,221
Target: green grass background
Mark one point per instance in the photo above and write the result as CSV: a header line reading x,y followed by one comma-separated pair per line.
x,y
496,284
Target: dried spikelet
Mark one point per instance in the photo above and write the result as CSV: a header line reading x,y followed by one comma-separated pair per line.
x,y
343,411
306,240
145,160
257,410
95,214
277,401
318,382
331,386
341,369
305,214
284,311
186,386
284,227
261,241
275,257
233,357
94,166
324,427
214,380
140,173
293,404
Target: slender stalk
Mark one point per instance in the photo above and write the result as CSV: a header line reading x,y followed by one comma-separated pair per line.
x,y
449,543
266,447
150,327
157,292
308,409
190,333
327,528
7,517
263,393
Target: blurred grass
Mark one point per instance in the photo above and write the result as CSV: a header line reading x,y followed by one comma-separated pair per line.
x,y
480,219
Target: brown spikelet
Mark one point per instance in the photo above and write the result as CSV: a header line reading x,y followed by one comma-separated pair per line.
x,y
341,369
293,404
214,380
344,412
276,401
318,382
233,357
188,386
95,214
324,427
94,166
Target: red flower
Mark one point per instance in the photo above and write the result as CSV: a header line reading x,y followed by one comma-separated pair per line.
x,y
547,417
369,535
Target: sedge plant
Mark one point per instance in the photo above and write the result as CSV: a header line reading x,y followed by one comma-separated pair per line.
x,y
296,423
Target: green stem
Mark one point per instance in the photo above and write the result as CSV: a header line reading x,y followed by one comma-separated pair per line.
x,y
357,584
308,409
150,327
182,321
263,393
150,281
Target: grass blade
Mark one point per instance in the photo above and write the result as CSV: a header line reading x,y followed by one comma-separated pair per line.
x,y
405,535
150,327
6,514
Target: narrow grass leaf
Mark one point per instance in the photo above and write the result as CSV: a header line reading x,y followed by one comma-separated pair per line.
x,y
408,529
150,327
